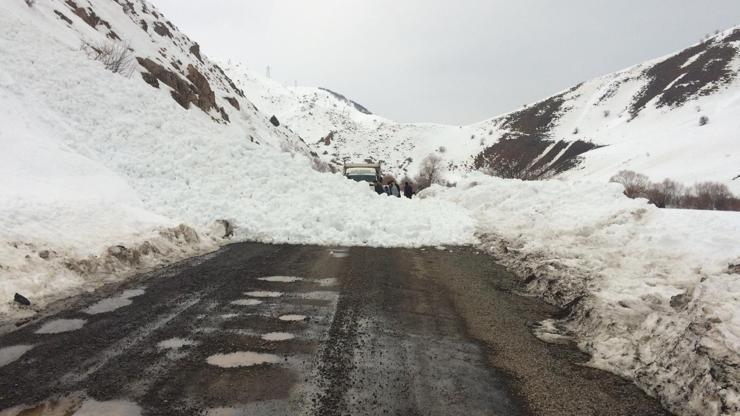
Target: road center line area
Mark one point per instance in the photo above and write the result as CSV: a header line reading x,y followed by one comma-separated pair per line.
x,y
370,332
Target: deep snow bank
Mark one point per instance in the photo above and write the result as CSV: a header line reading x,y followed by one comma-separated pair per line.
x,y
656,300
90,160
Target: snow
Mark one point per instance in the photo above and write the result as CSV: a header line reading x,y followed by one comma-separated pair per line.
x,y
77,180
92,162
655,282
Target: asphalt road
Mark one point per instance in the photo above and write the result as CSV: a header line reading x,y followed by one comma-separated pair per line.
x,y
362,332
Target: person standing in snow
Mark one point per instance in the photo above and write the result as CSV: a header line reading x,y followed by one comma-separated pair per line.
x,y
395,189
408,191
379,188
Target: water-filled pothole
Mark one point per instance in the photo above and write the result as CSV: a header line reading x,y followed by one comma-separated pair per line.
x,y
110,408
292,318
327,282
278,336
242,359
176,343
111,304
76,404
61,325
10,354
264,294
246,302
281,279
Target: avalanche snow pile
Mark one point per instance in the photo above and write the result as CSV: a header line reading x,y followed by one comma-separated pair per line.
x,y
653,294
99,169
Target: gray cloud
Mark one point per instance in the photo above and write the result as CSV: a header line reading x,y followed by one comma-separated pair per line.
x,y
444,61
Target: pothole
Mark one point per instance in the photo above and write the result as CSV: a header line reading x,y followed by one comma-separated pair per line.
x,y
61,325
292,318
111,304
339,254
319,295
281,279
14,353
229,315
76,405
110,408
327,282
242,359
264,294
175,343
246,302
277,336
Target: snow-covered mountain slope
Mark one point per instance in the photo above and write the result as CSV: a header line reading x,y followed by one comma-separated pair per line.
x,y
99,169
645,118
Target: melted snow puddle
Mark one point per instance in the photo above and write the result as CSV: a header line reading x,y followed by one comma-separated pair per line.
x,y
246,302
76,405
242,359
339,254
281,279
175,344
10,354
327,282
292,318
319,295
264,294
111,408
111,304
277,336
61,325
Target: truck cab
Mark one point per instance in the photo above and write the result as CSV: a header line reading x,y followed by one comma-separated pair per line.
x,y
363,172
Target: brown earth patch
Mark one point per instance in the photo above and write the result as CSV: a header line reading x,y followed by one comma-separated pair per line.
x,y
674,81
162,30
198,91
234,102
63,16
195,50
87,15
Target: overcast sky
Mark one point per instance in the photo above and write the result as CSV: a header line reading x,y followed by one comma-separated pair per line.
x,y
445,61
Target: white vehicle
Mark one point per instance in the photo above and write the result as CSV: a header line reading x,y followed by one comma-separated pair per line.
x,y
363,172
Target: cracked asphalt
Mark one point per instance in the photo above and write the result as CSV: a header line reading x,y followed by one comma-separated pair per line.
x,y
258,329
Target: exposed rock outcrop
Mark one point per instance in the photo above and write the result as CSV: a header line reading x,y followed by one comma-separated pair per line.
x,y
197,91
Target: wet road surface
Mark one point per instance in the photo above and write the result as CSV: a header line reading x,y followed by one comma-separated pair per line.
x,y
298,330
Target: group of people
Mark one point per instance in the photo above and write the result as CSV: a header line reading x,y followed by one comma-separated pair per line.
x,y
392,189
